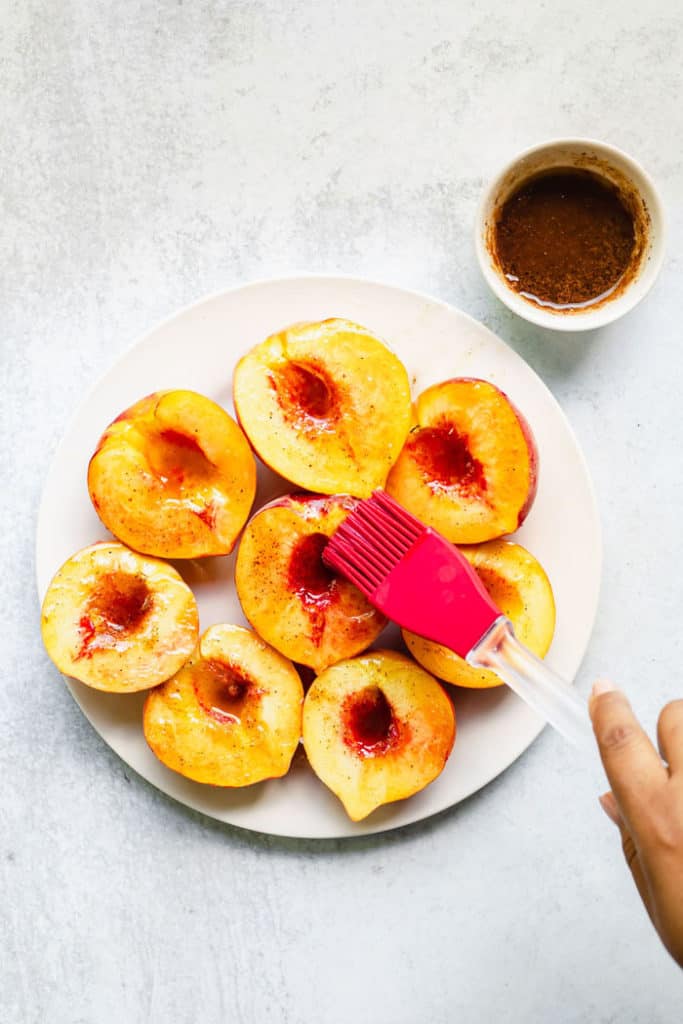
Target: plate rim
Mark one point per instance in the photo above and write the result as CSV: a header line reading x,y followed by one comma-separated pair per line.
x,y
330,278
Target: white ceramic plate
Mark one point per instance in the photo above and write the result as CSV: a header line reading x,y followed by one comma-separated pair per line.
x,y
198,349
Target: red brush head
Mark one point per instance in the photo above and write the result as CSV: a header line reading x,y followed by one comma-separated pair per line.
x,y
412,574
372,540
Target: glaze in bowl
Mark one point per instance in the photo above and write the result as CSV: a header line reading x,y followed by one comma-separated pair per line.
x,y
642,198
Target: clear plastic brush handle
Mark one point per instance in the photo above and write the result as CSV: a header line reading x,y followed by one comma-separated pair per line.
x,y
547,693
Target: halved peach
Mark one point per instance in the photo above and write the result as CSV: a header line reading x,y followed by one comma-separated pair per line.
x,y
519,586
117,620
231,716
296,603
469,467
174,476
377,728
326,405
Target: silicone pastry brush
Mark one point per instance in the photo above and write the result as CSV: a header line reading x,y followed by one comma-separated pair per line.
x,y
421,581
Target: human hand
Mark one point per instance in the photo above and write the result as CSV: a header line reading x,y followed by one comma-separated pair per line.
x,y
646,803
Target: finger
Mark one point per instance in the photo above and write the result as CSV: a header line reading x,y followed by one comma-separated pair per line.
x,y
670,735
635,866
609,806
633,766
631,856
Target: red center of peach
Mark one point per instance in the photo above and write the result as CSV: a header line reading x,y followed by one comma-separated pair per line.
x,y
370,726
116,608
309,577
444,456
222,690
173,456
180,440
304,392
311,580
206,514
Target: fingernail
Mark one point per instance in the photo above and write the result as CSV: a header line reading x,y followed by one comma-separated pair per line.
x,y
609,806
602,686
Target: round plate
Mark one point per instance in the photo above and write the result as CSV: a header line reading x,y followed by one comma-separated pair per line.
x,y
198,349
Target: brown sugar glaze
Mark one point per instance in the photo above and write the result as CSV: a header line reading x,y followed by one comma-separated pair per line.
x,y
566,239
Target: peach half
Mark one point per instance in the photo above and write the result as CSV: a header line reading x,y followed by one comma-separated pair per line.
x,y
173,476
519,586
326,405
117,620
377,728
306,611
469,467
231,716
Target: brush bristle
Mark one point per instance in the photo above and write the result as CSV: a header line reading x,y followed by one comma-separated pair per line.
x,y
372,541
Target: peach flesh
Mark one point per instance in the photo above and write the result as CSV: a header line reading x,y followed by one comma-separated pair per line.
x,y
370,727
496,583
304,393
444,454
223,691
116,608
174,456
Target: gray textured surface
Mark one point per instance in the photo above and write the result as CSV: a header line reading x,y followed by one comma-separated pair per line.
x,y
155,152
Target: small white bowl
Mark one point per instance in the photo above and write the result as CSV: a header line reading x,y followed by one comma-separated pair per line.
x,y
608,162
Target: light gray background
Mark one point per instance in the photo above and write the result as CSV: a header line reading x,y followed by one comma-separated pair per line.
x,y
154,152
